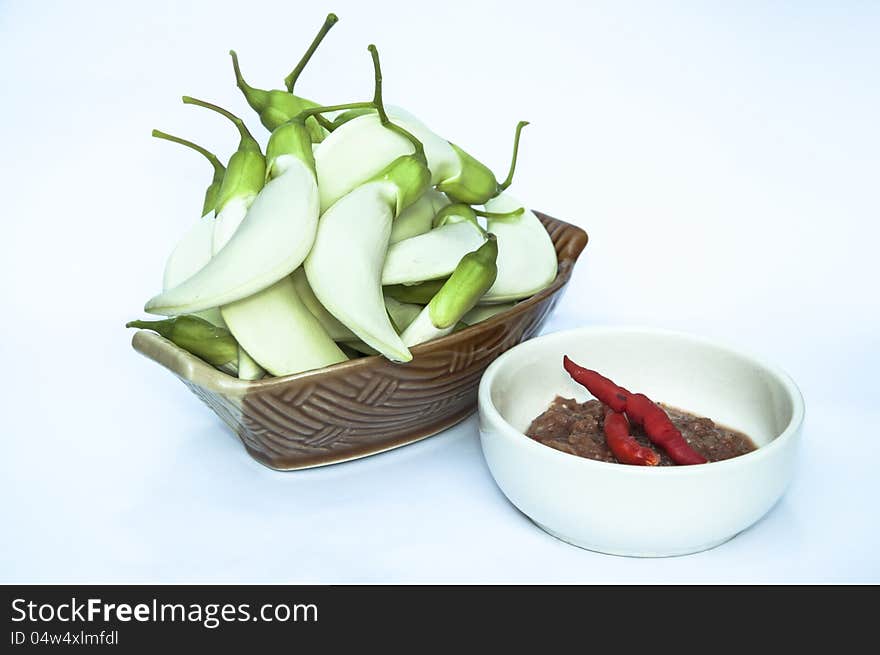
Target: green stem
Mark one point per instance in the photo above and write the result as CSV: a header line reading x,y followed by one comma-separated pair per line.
x,y
380,106
246,136
316,111
497,215
143,325
377,84
219,168
324,122
239,79
509,180
375,104
291,79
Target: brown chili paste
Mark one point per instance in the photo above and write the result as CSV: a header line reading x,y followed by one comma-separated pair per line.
x,y
576,428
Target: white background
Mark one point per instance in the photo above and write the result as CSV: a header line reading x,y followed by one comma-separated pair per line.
x,y
722,156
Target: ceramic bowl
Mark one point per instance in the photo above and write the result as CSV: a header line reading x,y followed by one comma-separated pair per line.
x,y
367,405
634,510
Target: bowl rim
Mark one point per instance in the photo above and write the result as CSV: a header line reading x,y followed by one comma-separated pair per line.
x,y
489,411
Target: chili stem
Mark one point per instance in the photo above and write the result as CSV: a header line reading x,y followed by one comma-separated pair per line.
x,y
323,122
380,106
242,128
210,156
239,78
509,179
316,111
500,215
291,79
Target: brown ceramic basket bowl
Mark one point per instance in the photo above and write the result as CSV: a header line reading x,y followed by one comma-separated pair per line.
x,y
366,405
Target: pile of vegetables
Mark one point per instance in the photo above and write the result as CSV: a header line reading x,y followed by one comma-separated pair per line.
x,y
356,232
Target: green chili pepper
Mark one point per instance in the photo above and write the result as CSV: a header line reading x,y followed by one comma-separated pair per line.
x,y
460,213
276,107
246,170
473,276
219,169
290,138
215,345
475,183
471,279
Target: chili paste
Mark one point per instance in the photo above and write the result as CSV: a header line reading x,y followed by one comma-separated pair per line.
x,y
577,429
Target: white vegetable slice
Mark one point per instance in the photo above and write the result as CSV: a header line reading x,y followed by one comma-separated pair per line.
x,y
344,267
270,243
401,313
432,255
190,255
472,277
279,331
418,217
284,310
247,368
526,256
359,149
481,313
227,221
336,330
422,330
188,258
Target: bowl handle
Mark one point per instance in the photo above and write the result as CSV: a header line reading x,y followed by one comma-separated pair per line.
x,y
186,366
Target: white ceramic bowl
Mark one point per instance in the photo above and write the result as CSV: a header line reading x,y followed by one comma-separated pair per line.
x,y
634,510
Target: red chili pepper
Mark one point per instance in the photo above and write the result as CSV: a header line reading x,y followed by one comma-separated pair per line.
x,y
604,389
640,410
624,446
660,430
